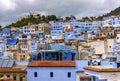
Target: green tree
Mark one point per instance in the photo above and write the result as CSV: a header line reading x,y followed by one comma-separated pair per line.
x,y
100,18
72,17
85,18
67,18
43,18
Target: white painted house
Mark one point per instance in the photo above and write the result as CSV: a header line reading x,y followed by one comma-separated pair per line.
x,y
118,38
112,20
29,29
103,73
116,47
51,71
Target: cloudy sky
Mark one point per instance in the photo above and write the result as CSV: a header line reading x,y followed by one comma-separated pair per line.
x,y
10,10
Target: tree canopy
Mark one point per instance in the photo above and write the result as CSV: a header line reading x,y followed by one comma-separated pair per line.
x,y
34,19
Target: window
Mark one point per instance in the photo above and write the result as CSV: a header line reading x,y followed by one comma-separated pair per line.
x,y
32,43
8,75
117,37
113,22
32,27
99,63
46,54
69,74
51,74
21,79
32,30
14,77
7,47
113,18
35,74
1,75
22,57
109,46
94,78
23,52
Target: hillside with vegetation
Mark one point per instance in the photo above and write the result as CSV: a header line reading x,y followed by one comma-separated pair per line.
x,y
114,12
34,20
43,18
39,19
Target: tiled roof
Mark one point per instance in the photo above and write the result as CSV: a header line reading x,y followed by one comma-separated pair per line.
x,y
104,31
69,30
12,70
85,77
85,46
104,37
80,71
96,69
52,64
6,79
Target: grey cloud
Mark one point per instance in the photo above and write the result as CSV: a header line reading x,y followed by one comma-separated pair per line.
x,y
63,8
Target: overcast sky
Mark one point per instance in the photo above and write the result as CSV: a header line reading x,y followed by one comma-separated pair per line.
x,y
10,10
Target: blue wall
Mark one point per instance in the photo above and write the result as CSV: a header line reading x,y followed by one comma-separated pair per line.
x,y
56,32
59,73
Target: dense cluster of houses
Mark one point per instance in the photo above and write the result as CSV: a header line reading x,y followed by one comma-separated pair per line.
x,y
61,50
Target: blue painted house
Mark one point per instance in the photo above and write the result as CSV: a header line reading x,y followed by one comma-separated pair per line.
x,y
75,34
12,41
56,32
69,35
33,45
57,52
51,71
2,48
40,35
74,23
56,24
11,44
6,32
